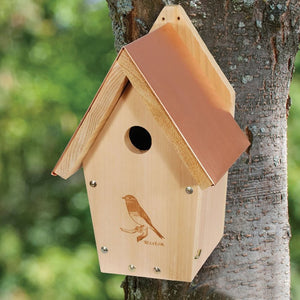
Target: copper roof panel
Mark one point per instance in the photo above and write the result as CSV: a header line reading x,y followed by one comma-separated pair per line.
x,y
190,99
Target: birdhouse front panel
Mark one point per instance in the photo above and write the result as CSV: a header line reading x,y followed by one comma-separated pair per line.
x,y
143,200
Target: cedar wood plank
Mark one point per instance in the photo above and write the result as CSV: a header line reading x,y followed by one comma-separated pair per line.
x,y
92,122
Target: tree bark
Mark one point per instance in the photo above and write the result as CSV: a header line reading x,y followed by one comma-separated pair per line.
x,y
255,43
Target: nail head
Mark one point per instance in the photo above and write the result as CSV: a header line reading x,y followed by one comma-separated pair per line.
x,y
93,183
104,249
189,190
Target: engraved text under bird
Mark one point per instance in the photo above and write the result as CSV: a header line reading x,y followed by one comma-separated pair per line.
x,y
139,216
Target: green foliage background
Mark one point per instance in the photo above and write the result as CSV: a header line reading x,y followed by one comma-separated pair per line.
x,y
53,57
294,178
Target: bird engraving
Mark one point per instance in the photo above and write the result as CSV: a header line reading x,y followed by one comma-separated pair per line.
x,y
139,216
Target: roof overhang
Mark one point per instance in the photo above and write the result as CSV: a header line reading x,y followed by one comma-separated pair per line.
x,y
177,88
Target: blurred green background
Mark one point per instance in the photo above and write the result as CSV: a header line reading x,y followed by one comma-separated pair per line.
x,y
294,178
53,56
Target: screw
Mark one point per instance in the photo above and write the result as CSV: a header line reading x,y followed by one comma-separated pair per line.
x,y
104,249
189,190
156,269
197,256
93,183
131,267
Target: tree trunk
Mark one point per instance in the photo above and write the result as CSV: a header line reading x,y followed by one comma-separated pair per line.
x,y
255,43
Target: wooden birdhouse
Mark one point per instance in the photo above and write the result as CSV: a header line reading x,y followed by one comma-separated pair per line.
x,y
155,145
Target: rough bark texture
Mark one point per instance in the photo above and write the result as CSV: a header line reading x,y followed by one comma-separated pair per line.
x,y
255,43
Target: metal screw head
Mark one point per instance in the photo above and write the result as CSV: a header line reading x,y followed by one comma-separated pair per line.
x,y
156,269
104,249
189,190
197,256
131,267
93,183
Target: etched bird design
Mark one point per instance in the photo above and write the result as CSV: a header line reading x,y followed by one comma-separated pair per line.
x,y
139,216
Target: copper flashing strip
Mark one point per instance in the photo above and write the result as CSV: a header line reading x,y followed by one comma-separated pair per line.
x,y
190,99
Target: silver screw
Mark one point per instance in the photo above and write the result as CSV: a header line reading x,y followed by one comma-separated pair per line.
x,y
189,190
131,267
93,183
156,269
104,249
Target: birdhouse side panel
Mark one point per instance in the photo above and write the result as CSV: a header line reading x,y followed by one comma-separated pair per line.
x,y
143,213
209,222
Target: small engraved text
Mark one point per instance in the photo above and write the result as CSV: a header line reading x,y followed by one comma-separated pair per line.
x,y
154,243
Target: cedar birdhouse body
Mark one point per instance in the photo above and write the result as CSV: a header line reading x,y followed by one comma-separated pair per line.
x,y
155,145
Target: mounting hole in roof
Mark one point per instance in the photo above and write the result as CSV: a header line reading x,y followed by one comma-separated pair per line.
x,y
138,139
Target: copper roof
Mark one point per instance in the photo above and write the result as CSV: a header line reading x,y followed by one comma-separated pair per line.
x,y
190,99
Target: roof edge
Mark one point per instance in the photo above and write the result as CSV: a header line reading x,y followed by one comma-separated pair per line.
x,y
92,122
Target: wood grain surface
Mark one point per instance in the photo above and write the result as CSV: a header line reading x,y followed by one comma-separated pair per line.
x,y
157,179
92,122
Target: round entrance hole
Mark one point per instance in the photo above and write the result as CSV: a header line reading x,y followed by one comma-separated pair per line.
x,y
138,139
